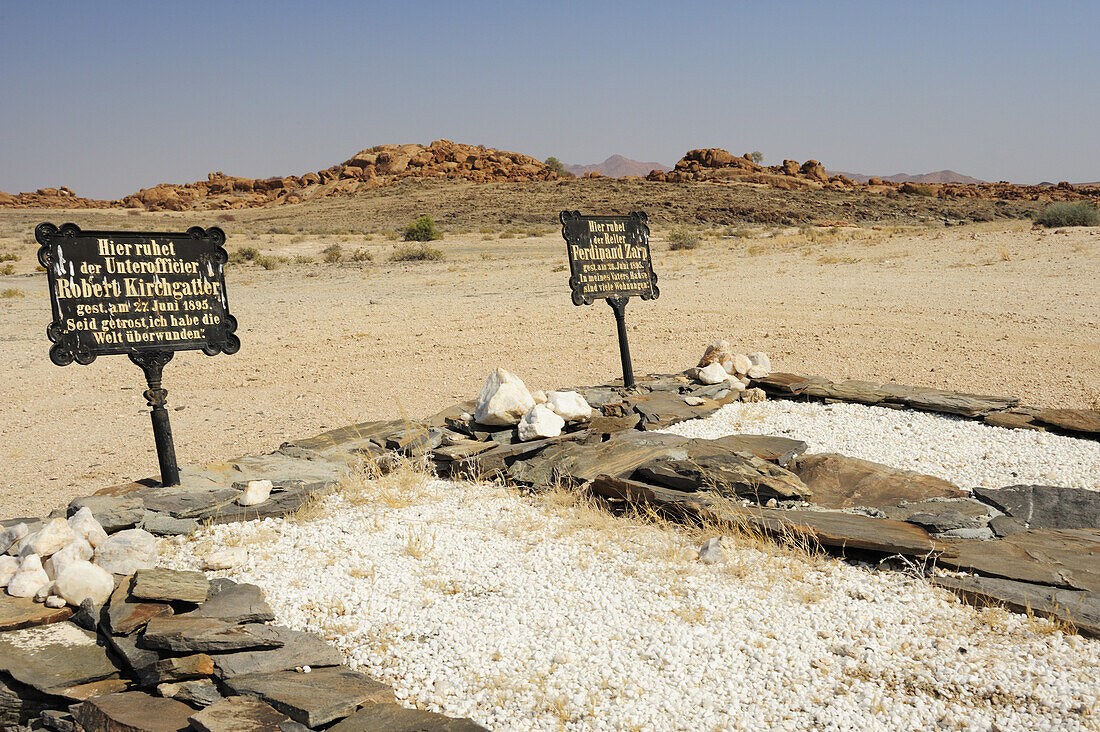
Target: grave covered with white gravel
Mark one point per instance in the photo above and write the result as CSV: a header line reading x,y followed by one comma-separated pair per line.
x,y
965,452
527,614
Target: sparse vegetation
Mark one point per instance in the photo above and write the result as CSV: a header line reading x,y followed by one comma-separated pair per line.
x,y
417,253
361,255
555,165
244,254
7,269
681,238
1064,213
757,156
333,253
918,189
423,229
11,292
9,257
267,261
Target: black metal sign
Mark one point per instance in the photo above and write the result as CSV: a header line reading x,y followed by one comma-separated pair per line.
x,y
145,294
608,256
609,259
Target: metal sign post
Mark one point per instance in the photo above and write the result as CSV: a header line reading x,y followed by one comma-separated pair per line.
x,y
144,294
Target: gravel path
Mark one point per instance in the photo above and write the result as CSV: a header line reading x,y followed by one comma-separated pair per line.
x,y
526,615
964,452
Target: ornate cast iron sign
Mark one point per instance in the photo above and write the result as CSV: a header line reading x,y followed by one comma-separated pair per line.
x,y
608,256
145,294
609,259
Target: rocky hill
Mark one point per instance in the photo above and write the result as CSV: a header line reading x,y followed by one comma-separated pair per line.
x,y
384,165
375,167
617,166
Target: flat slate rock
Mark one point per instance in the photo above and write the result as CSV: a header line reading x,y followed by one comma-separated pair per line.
x,y
178,668
80,692
55,657
1012,421
1081,609
125,615
779,450
135,658
161,524
1046,506
299,649
828,528
455,411
23,612
113,513
579,462
189,504
786,384
462,450
963,405
198,692
239,714
860,392
396,718
661,410
133,711
737,474
286,498
497,460
356,435
169,584
316,698
184,634
1084,421
1067,558
838,481
234,603
969,507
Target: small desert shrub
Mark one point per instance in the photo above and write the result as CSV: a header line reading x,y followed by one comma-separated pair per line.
x,y
266,261
361,255
682,239
917,189
227,217
9,257
7,269
10,293
1064,213
416,253
244,254
333,253
423,229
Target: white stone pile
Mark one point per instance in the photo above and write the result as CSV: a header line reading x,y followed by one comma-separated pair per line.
x,y
962,451
720,363
504,401
68,561
472,600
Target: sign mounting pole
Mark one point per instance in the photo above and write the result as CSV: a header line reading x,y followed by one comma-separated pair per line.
x,y
152,363
609,259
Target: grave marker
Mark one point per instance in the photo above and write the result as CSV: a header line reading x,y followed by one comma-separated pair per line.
x,y
609,259
144,294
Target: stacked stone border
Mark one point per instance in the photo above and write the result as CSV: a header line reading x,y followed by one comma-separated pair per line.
x,y
209,650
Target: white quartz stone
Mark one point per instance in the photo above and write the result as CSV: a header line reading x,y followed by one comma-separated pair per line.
x,y
127,551
81,580
569,405
540,422
83,524
255,492
503,400
29,579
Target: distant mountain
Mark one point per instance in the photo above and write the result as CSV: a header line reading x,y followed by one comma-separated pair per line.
x,y
940,176
617,166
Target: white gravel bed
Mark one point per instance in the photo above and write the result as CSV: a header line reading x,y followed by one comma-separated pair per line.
x,y
476,602
962,451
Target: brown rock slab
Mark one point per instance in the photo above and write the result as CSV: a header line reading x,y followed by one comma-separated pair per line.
x,y
786,384
20,703
964,405
299,649
239,714
1080,609
178,668
827,528
352,436
198,693
80,692
860,392
1012,421
619,456
316,698
1067,558
169,584
133,711
234,603
497,460
738,474
23,612
610,425
838,481
455,411
396,718
1086,422
184,634
659,410
125,615
462,450
53,658
780,450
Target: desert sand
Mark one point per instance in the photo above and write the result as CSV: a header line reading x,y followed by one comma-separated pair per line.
x,y
995,308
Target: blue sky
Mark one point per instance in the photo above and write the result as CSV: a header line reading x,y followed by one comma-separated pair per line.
x,y
110,97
